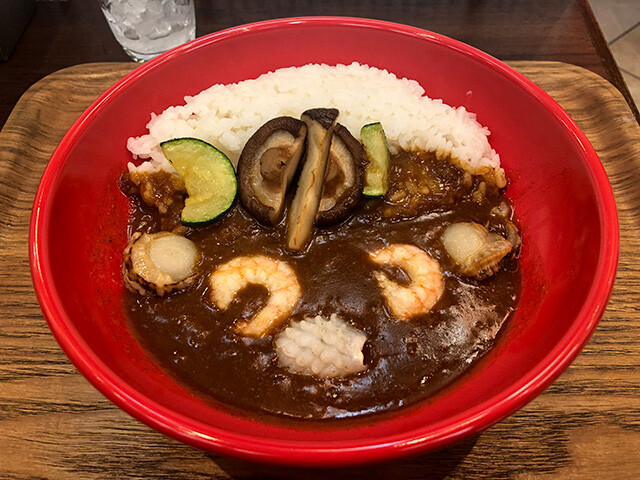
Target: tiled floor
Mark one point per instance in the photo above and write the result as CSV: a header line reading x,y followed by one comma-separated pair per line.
x,y
620,24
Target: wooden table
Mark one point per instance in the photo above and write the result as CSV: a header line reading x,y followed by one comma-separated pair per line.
x,y
66,33
53,424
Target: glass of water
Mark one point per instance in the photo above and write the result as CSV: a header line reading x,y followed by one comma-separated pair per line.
x,y
146,28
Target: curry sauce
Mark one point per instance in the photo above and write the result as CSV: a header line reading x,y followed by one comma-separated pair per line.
x,y
406,360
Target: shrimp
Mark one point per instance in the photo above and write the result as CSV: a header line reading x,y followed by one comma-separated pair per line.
x,y
277,276
427,283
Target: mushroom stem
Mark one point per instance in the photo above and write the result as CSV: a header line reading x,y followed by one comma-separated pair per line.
x,y
304,207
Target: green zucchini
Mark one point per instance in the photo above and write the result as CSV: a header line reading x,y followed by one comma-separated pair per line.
x,y
208,176
376,179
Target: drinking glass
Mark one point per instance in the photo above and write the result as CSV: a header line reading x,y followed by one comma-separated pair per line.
x,y
146,28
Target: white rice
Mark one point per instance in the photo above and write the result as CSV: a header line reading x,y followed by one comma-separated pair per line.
x,y
227,115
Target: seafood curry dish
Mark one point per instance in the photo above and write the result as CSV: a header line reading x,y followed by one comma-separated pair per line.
x,y
324,273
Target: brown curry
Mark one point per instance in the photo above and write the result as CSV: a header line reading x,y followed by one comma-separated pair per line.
x,y
406,360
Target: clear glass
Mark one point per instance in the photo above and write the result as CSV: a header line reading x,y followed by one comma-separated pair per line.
x,y
146,28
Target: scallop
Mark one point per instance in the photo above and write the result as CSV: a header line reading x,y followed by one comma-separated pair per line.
x,y
475,251
321,348
267,167
344,178
159,263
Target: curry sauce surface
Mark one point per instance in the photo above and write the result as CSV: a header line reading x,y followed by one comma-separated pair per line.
x,y
406,360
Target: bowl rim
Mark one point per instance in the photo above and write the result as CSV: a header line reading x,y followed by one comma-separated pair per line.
x,y
346,452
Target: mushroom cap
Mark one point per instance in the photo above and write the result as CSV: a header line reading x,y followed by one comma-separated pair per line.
x,y
267,166
326,117
344,178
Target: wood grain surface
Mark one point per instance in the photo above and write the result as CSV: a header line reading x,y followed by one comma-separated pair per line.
x,y
558,30
55,425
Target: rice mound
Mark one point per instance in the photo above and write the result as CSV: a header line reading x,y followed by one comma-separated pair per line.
x,y
227,115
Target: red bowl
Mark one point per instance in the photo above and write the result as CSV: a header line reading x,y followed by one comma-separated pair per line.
x,y
562,199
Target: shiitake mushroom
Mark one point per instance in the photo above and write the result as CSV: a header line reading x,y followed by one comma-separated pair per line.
x,y
267,166
331,174
344,178
304,206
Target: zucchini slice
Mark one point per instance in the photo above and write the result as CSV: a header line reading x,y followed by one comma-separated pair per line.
x,y
376,178
208,176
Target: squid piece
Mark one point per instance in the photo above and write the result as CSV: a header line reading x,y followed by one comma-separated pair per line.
x,y
322,348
